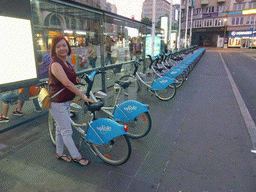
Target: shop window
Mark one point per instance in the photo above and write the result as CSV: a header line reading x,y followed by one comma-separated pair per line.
x,y
221,8
241,21
239,6
252,5
237,21
35,19
54,20
81,24
198,11
67,23
218,22
73,23
209,9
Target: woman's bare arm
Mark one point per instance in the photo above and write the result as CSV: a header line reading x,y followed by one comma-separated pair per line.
x,y
60,74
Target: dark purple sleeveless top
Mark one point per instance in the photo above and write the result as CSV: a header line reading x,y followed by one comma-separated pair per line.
x,y
55,85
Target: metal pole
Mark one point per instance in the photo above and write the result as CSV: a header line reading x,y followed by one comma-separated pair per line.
x,y
170,28
186,31
153,27
178,43
191,25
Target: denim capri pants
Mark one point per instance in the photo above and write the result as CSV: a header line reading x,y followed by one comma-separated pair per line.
x,y
10,97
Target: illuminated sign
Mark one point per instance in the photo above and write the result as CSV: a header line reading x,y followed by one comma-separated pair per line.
x,y
17,57
249,11
164,25
241,33
157,45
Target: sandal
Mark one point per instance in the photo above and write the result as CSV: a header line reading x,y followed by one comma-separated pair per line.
x,y
76,160
64,158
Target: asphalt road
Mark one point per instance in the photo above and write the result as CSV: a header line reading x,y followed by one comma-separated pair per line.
x,y
243,70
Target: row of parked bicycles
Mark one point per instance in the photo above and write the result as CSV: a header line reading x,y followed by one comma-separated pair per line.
x,y
107,129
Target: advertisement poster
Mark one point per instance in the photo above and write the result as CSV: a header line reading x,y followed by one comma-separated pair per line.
x,y
17,57
157,46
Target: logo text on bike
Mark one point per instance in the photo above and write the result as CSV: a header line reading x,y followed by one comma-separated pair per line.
x,y
104,129
130,108
163,81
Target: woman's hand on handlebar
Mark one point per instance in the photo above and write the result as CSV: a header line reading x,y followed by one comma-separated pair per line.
x,y
87,100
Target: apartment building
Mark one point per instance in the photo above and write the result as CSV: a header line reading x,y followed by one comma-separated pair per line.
x,y
162,8
219,21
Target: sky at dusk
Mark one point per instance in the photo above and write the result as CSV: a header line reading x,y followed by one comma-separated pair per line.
x,y
128,8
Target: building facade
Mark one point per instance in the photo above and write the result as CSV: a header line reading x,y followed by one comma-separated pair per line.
x,y
215,22
162,8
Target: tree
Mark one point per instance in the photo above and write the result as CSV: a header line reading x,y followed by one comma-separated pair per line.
x,y
146,20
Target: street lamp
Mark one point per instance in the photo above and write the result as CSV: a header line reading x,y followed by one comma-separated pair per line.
x,y
225,31
225,27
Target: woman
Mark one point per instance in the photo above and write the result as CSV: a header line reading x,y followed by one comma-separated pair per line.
x,y
92,53
115,53
131,48
62,76
138,48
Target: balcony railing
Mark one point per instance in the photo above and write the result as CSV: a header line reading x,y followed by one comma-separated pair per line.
x,y
204,2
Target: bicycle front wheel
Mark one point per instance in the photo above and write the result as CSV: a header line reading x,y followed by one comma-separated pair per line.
x,y
167,93
139,127
116,152
52,128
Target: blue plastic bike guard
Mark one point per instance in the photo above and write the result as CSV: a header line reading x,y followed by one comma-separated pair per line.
x,y
129,110
161,83
91,76
103,130
174,73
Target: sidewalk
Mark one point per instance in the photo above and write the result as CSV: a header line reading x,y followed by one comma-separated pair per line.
x,y
212,151
15,121
199,142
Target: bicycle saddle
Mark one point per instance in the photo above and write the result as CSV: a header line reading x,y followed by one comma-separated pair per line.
x,y
124,84
95,106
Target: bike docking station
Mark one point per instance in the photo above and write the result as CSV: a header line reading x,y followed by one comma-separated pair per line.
x,y
185,66
132,89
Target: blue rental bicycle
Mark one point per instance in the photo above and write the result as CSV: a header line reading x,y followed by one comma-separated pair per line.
x,y
162,87
131,113
105,138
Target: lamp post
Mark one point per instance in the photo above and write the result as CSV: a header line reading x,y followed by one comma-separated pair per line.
x,y
225,31
225,27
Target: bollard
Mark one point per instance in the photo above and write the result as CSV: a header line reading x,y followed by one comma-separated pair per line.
x,y
132,89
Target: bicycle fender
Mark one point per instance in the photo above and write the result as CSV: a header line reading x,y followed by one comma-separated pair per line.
x,y
161,83
129,110
174,73
103,130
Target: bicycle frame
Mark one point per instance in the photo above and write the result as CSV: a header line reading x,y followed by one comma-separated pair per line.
x,y
126,111
157,84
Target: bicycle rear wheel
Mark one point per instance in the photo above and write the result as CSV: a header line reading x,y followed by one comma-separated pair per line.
x,y
167,93
139,127
52,128
179,81
116,152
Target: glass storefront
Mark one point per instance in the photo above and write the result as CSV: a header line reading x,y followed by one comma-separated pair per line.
x,y
88,29
243,39
98,38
